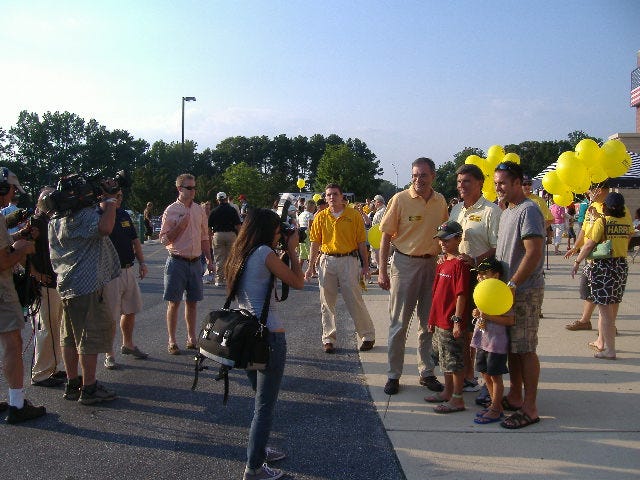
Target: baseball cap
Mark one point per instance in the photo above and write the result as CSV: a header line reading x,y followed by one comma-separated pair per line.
x,y
379,198
614,200
240,197
492,264
449,230
221,196
11,179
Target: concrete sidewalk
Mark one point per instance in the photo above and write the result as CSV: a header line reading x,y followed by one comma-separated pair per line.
x,y
590,419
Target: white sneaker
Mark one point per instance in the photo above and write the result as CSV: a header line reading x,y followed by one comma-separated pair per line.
x,y
263,473
273,455
110,363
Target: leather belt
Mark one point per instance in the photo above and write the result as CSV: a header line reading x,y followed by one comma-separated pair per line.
x,y
126,265
350,254
186,259
426,255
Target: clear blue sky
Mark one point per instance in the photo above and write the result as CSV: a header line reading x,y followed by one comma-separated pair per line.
x,y
409,78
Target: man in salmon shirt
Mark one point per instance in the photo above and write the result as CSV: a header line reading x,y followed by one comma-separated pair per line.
x,y
185,234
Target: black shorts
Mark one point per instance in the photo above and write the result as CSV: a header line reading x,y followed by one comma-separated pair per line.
x,y
491,363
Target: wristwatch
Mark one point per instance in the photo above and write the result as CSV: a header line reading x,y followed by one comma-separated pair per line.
x,y
455,319
510,284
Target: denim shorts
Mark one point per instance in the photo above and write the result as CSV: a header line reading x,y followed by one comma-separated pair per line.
x,y
491,363
182,277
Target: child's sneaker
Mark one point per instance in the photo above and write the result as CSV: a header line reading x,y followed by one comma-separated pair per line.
x,y
471,385
95,394
263,473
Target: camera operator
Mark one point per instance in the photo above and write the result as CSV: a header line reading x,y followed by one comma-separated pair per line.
x,y
11,317
85,260
122,294
47,356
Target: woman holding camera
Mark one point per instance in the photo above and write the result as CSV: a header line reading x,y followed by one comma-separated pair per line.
x,y
257,238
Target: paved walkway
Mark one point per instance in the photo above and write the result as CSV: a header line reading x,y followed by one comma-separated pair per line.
x,y
590,424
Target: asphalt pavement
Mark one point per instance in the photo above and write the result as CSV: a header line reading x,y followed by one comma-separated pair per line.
x,y
159,429
333,418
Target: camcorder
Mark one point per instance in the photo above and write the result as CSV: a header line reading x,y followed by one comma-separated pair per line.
x,y
18,217
286,229
77,191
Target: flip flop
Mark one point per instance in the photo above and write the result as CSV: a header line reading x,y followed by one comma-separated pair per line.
x,y
448,408
593,346
507,406
435,399
482,412
518,420
485,420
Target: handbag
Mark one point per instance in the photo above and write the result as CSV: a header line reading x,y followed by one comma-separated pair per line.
x,y
234,338
602,249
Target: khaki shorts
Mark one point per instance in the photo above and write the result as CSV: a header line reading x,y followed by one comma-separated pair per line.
x,y
87,324
11,317
122,294
524,334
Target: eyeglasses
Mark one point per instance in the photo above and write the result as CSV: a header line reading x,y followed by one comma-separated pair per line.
x,y
190,187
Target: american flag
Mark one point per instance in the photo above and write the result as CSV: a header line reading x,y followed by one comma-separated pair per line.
x,y
635,87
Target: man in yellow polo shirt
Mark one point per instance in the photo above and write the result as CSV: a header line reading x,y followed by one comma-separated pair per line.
x,y
337,234
410,224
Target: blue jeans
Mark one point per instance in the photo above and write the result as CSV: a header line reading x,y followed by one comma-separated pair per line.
x,y
266,384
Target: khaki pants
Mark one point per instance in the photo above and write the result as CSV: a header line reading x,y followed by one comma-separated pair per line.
x,y
47,355
222,242
342,272
411,283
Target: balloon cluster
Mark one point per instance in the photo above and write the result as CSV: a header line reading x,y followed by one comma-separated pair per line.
x,y
495,155
588,163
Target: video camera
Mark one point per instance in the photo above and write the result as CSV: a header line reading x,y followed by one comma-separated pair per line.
x,y
77,191
286,229
18,217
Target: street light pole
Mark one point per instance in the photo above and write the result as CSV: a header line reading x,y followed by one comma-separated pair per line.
x,y
185,99
394,169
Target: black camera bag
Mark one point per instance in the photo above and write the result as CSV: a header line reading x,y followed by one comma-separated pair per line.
x,y
234,338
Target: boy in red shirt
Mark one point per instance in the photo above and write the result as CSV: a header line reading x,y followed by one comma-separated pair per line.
x,y
450,294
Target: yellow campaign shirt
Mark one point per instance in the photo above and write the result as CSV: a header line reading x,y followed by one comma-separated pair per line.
x,y
590,219
338,235
618,231
542,205
412,222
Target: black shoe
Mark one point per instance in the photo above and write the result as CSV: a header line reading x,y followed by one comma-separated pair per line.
x,y
392,386
3,406
60,374
432,383
27,412
367,345
48,382
328,348
72,389
96,393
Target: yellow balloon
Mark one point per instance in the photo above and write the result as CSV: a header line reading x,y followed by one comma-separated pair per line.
x,y
615,159
584,186
587,151
496,151
300,183
316,197
570,171
490,194
512,157
374,236
597,173
552,183
563,199
493,297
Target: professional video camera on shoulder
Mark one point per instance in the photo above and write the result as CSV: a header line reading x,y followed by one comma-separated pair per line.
x,y
75,192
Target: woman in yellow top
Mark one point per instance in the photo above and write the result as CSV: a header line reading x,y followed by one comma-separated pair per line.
x,y
607,276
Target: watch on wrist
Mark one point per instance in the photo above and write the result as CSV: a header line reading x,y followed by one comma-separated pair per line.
x,y
455,319
510,284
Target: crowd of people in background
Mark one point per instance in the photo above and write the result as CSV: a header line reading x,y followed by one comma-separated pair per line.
x,y
431,255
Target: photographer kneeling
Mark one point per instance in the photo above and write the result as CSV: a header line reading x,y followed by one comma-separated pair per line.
x,y
257,238
85,260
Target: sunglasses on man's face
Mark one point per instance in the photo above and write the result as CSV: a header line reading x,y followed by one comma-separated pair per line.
x,y
190,187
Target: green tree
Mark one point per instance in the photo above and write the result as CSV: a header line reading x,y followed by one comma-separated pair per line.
x,y
341,165
243,179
